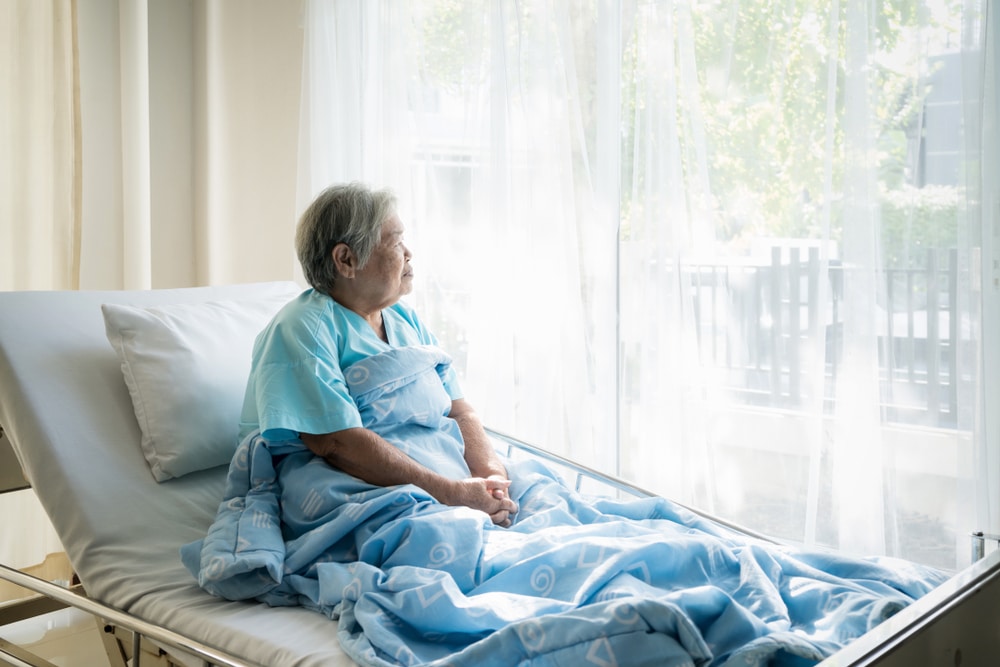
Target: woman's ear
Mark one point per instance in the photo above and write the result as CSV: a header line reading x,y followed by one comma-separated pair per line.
x,y
344,260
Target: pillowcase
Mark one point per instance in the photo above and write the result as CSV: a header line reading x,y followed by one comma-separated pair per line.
x,y
186,367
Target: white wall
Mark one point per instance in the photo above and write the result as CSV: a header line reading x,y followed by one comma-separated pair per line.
x,y
249,89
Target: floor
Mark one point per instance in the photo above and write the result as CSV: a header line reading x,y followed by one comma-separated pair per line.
x,y
68,638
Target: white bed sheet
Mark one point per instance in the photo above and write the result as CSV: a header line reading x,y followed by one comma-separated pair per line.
x,y
66,410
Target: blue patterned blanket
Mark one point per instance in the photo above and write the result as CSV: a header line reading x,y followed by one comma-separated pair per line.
x,y
575,581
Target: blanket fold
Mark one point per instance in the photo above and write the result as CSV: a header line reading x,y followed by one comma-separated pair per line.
x,y
575,581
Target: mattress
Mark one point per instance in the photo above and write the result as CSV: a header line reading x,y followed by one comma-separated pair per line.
x,y
67,412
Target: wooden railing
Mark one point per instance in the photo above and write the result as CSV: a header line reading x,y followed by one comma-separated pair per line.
x,y
778,332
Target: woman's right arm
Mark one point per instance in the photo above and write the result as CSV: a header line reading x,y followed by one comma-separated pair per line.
x,y
362,453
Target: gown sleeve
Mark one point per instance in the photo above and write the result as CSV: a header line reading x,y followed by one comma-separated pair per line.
x,y
296,384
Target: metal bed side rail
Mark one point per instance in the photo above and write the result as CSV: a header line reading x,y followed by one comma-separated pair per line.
x,y
138,627
979,539
617,483
936,629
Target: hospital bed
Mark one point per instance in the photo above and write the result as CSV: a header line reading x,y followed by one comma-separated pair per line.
x,y
86,442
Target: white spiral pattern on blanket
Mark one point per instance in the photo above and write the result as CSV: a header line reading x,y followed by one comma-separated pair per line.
x,y
356,374
478,611
241,460
538,521
535,504
626,613
543,579
441,553
214,569
532,635
236,504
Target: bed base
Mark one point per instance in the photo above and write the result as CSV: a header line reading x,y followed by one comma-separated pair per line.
x,y
127,638
931,621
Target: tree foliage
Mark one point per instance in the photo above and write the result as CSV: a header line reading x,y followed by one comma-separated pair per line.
x,y
772,78
770,108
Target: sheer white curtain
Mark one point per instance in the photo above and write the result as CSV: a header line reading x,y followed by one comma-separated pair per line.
x,y
987,454
730,250
806,343
458,108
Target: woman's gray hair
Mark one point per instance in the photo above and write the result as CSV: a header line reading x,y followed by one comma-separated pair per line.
x,y
350,213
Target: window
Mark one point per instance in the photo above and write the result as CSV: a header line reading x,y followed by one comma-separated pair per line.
x,y
729,250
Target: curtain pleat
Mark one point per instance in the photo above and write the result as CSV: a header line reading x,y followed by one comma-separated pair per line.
x,y
40,180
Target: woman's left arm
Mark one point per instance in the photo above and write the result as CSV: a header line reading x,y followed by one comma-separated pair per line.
x,y
480,456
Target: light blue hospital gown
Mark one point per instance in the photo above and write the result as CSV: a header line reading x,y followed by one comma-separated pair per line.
x,y
296,382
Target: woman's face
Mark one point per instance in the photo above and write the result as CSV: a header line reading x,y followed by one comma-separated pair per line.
x,y
387,276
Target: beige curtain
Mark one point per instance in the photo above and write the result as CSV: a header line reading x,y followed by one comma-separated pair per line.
x,y
40,147
40,196
143,143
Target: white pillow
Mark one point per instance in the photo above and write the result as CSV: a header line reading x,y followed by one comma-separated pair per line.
x,y
186,367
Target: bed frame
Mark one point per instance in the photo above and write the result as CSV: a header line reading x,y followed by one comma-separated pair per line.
x,y
943,623
126,635
954,624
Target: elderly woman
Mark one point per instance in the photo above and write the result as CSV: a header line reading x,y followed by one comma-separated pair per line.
x,y
412,581
350,244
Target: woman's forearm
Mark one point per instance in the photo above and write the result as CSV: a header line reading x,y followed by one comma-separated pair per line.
x,y
480,455
364,454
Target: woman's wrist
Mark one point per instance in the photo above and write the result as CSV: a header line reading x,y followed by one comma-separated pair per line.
x,y
441,488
